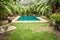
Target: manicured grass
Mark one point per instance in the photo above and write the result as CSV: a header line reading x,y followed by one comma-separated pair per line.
x,y
24,32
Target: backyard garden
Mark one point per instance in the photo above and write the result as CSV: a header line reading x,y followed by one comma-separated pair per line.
x,y
30,21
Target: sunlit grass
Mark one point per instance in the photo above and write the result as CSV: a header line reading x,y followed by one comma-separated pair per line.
x,y
21,33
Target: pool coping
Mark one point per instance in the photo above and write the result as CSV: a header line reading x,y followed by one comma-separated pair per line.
x,y
41,20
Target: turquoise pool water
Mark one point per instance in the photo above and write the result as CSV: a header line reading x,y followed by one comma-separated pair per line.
x,y
27,18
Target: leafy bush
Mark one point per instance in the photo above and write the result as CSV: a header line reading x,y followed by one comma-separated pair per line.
x,y
41,8
44,9
33,8
55,17
55,20
4,10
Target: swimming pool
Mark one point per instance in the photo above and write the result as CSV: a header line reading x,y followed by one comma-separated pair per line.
x,y
28,18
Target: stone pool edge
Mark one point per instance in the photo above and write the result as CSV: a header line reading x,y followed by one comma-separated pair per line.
x,y
41,20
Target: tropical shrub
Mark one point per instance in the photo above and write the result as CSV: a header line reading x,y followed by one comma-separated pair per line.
x,y
18,8
30,8
55,21
40,8
44,9
3,12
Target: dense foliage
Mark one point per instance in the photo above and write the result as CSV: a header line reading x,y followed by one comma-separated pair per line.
x,y
38,8
12,7
55,21
55,17
4,10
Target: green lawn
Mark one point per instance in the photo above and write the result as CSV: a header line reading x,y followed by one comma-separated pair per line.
x,y
25,31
